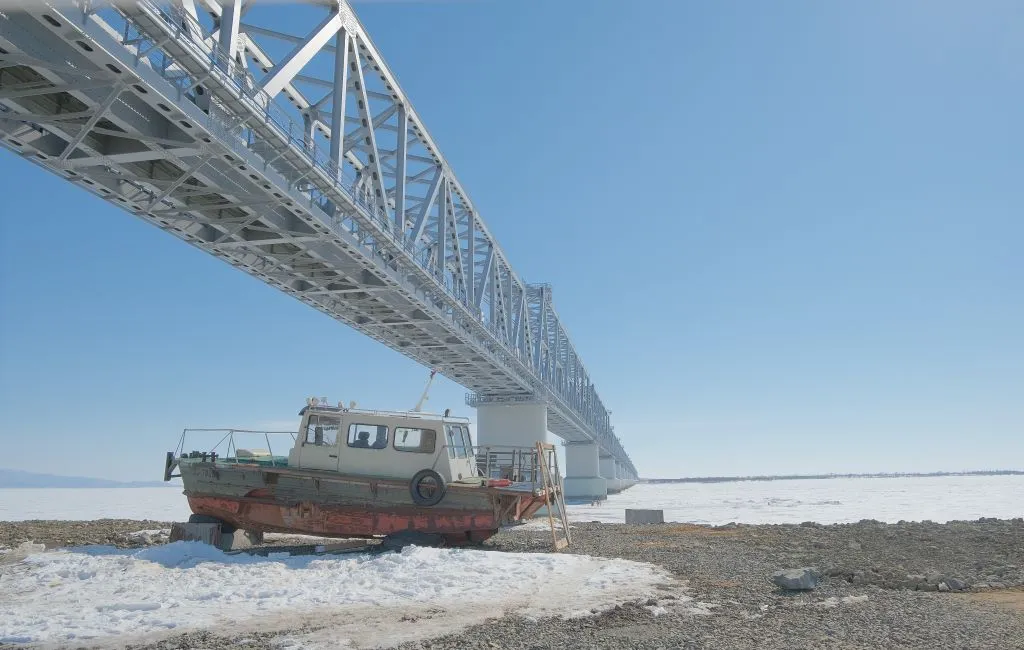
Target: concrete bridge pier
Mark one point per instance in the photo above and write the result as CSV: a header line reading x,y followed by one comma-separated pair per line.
x,y
626,478
511,425
583,479
610,472
523,424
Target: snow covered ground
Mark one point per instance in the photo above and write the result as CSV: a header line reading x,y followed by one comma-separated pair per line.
x,y
109,596
753,502
826,501
106,595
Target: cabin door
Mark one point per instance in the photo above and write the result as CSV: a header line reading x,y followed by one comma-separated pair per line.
x,y
320,449
460,452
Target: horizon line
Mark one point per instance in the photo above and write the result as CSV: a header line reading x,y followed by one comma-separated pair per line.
x,y
825,475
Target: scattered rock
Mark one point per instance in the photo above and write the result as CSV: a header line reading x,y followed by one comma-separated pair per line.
x,y
725,567
797,579
854,546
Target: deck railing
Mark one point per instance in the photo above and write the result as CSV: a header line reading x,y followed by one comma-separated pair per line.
x,y
226,447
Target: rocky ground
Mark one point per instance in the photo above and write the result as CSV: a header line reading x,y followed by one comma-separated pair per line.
x,y
55,534
906,585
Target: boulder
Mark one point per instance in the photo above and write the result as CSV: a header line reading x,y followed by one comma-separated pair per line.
x,y
955,585
797,579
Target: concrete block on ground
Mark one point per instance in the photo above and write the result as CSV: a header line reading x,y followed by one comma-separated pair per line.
x,y
239,540
645,516
214,535
189,532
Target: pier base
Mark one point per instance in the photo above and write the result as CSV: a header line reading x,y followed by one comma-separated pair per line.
x,y
610,473
583,480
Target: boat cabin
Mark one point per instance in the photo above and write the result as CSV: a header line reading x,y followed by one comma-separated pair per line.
x,y
383,444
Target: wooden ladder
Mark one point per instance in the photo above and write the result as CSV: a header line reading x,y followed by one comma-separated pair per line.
x,y
546,456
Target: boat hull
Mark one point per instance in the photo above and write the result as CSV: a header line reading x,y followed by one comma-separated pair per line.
x,y
333,505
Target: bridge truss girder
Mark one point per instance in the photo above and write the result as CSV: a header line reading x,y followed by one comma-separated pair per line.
x,y
142,106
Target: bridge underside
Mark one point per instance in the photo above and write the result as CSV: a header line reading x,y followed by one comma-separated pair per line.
x,y
184,142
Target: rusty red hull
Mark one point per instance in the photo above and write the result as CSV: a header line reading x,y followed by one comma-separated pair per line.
x,y
344,521
332,505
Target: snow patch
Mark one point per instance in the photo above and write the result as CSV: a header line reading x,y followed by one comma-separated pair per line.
x,y
103,594
832,601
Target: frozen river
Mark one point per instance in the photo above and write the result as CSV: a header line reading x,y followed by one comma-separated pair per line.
x,y
825,501
754,502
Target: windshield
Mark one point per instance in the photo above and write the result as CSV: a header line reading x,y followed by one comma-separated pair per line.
x,y
322,430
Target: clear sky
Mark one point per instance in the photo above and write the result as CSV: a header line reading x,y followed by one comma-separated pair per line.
x,y
785,237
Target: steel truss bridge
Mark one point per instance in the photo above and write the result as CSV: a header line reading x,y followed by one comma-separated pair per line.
x,y
300,160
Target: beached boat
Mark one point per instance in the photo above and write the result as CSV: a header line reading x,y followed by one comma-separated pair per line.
x,y
362,473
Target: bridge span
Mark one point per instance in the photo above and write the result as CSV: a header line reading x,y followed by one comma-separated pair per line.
x,y
299,160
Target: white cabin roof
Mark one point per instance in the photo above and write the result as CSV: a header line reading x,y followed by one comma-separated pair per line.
x,y
417,415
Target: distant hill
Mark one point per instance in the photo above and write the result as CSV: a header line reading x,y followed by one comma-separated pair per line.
x,y
13,478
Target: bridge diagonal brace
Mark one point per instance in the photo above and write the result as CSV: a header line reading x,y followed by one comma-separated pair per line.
x,y
428,202
181,179
302,54
363,103
485,277
97,116
361,133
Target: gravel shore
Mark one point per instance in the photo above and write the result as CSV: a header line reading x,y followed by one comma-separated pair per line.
x,y
905,585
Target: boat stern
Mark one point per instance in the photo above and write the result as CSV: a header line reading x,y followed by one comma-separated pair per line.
x,y
170,464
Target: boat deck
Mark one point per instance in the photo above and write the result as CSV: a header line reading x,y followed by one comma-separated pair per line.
x,y
261,461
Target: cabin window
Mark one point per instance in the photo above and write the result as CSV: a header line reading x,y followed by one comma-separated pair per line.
x,y
367,436
322,431
456,443
451,442
418,440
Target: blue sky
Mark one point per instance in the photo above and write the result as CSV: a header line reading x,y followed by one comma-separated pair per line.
x,y
785,237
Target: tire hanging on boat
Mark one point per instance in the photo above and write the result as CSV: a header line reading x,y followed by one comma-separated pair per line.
x,y
423,497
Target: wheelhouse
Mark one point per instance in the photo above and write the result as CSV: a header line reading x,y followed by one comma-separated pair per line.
x,y
383,444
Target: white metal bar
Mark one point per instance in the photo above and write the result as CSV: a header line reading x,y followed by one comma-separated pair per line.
x,y
485,275
376,172
231,12
442,224
297,59
400,168
100,110
340,93
428,202
471,263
